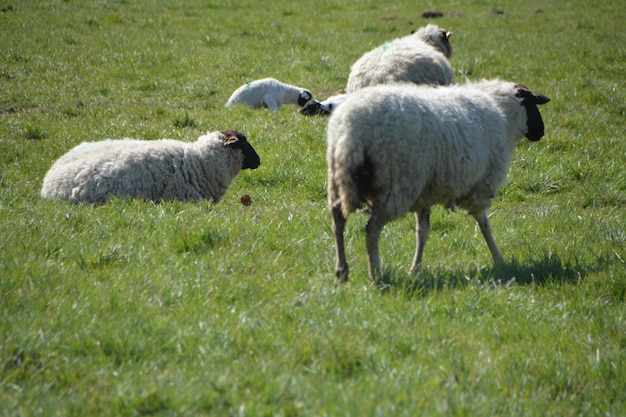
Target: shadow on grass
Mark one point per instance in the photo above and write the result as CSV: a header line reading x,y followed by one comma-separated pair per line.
x,y
548,268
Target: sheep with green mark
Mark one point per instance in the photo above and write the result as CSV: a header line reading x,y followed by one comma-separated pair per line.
x,y
269,93
419,58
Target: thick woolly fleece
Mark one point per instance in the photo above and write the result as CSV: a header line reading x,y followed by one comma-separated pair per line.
x,y
419,58
404,148
423,145
153,170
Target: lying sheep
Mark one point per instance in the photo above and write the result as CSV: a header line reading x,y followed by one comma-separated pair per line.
x,y
153,170
269,93
402,148
314,107
419,58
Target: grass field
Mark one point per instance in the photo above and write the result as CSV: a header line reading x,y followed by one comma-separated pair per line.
x,y
134,308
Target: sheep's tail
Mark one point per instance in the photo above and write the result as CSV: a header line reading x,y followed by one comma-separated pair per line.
x,y
345,179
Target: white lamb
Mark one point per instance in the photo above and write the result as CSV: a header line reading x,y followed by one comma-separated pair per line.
x,y
155,170
419,58
269,93
402,148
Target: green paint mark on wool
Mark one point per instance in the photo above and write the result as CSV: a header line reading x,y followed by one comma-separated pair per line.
x,y
388,45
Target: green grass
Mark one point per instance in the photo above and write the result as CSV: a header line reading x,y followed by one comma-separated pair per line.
x,y
134,308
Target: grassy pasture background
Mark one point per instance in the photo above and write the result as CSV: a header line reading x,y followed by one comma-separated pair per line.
x,y
134,308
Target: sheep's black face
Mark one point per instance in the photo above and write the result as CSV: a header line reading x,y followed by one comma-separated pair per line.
x,y
304,97
534,121
312,108
251,159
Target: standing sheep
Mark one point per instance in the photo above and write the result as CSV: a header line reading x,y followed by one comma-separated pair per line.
x,y
419,58
402,148
155,170
269,93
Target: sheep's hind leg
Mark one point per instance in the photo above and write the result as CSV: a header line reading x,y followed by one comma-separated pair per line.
x,y
339,222
372,235
483,223
422,229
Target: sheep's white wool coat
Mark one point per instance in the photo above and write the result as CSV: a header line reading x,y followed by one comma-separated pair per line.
x,y
419,58
267,92
154,170
408,147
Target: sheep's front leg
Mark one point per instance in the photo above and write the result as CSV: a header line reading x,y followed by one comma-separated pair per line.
x,y
339,222
270,102
372,235
422,229
483,223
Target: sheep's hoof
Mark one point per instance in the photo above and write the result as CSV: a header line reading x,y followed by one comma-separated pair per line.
x,y
380,285
498,260
341,275
415,269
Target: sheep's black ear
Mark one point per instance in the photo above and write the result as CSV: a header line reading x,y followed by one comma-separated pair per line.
x,y
541,99
232,137
527,95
